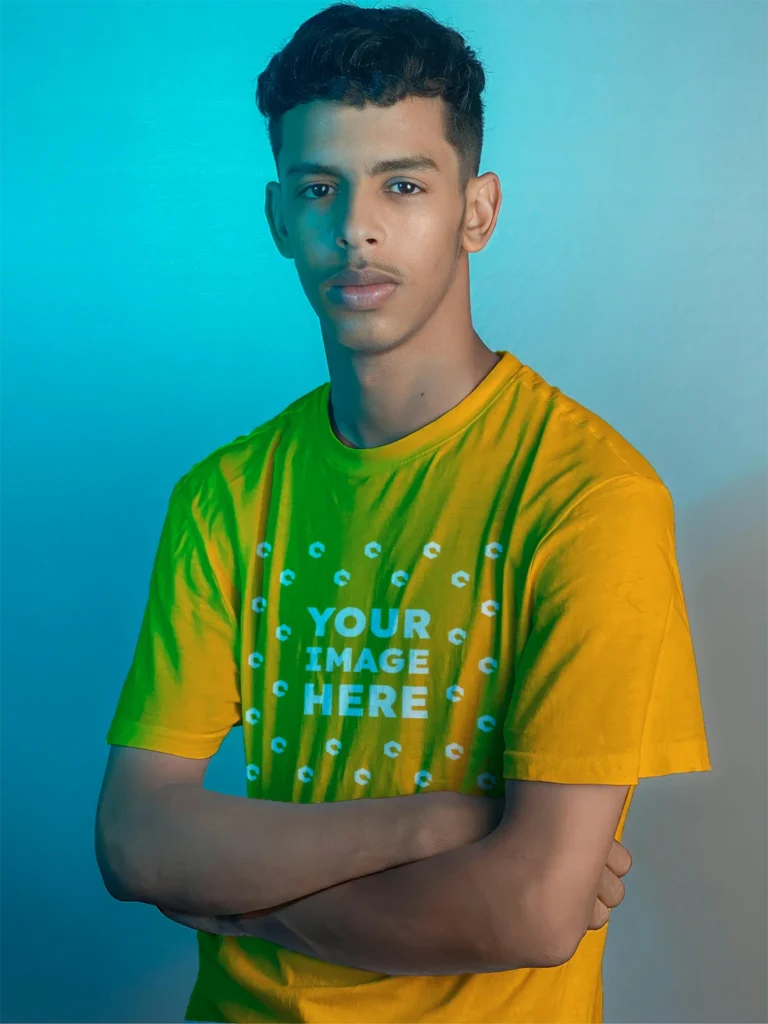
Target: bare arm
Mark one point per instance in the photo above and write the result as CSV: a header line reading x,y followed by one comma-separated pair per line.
x,y
178,845
407,920
383,924
431,917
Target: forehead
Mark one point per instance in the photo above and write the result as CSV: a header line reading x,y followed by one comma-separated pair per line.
x,y
331,137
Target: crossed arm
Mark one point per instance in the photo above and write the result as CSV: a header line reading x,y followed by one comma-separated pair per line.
x,y
523,896
463,911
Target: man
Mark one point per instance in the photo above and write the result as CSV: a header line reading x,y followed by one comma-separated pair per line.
x,y
431,581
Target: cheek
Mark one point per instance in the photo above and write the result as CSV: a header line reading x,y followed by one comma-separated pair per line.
x,y
442,261
442,247
429,249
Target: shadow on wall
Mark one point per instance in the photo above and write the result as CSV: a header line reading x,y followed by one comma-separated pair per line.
x,y
689,941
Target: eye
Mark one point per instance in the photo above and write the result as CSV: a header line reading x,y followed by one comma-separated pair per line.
x,y
404,195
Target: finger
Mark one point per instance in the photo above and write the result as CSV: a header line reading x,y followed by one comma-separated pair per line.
x,y
600,916
611,890
619,859
254,913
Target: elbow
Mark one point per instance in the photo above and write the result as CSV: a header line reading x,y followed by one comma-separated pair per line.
x,y
557,941
115,867
534,937
550,950
539,952
117,890
557,949
114,885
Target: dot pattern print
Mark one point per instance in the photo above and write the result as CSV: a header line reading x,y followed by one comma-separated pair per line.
x,y
397,695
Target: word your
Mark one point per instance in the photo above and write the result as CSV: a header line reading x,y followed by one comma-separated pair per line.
x,y
352,621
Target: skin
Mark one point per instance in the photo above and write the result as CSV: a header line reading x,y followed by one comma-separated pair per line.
x,y
394,369
262,923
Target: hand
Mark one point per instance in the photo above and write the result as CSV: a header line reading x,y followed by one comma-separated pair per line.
x,y
241,926
269,910
254,913
611,891
198,922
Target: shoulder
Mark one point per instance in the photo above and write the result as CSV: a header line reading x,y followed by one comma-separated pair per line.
x,y
237,461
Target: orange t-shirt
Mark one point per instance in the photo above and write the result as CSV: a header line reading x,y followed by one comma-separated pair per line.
x,y
494,596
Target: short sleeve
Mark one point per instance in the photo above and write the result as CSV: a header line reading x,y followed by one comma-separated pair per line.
x,y
182,692
605,687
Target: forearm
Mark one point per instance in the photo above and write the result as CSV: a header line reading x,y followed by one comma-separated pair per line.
x,y
206,853
441,915
265,925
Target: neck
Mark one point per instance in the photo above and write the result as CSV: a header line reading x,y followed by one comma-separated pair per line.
x,y
405,390
380,396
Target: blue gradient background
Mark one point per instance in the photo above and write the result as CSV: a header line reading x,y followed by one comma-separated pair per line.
x,y
147,318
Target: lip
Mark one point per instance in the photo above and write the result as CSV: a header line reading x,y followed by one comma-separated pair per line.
x,y
356,278
362,297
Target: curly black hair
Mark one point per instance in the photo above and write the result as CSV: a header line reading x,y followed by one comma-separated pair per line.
x,y
360,55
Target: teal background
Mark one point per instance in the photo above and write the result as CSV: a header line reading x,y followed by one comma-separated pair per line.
x,y
147,318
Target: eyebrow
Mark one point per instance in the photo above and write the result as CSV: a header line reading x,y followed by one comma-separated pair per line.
x,y
417,162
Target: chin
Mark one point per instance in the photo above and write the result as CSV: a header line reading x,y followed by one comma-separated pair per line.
x,y
371,337
367,343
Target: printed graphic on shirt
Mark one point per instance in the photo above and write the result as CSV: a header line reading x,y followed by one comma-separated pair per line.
x,y
382,699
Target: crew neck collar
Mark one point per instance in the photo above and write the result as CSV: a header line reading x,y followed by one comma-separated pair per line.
x,y
387,456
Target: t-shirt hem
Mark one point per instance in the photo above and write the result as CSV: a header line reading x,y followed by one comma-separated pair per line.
x,y
685,756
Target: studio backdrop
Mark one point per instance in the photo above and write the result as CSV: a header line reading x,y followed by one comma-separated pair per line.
x,y
147,318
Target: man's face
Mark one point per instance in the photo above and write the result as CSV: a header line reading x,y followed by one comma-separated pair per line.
x,y
404,222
